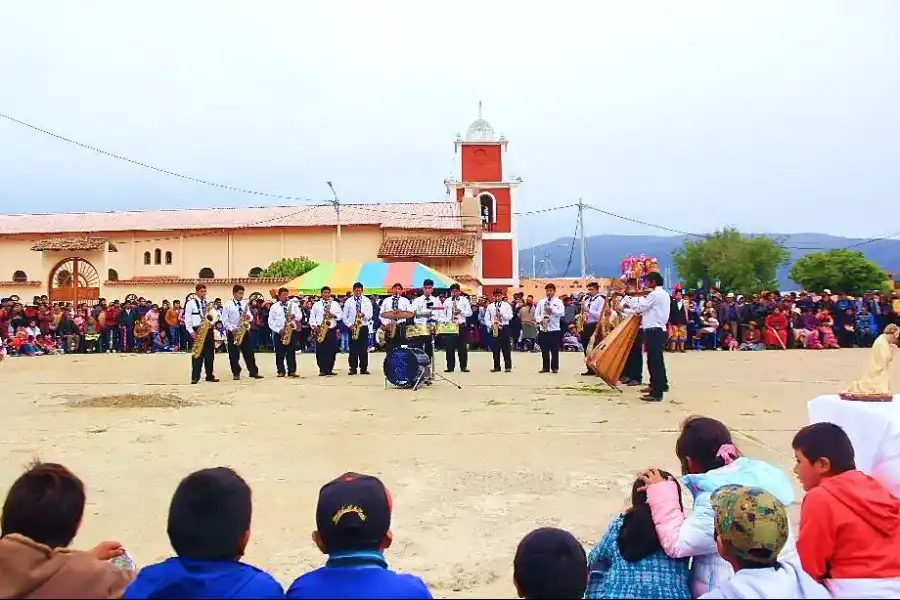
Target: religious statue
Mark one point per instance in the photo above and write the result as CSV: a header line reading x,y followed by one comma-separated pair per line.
x,y
875,385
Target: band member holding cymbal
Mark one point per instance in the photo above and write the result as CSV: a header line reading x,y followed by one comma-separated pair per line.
x,y
357,316
236,319
421,305
456,310
393,328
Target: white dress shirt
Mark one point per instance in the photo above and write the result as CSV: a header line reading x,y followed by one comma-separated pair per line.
x,y
462,305
393,303
317,314
557,310
593,308
506,313
233,312
349,315
421,303
654,308
280,312
196,310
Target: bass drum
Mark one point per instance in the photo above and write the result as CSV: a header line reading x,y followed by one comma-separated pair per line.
x,y
404,367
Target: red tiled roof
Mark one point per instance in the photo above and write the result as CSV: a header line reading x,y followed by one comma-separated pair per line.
x,y
423,215
68,243
190,281
417,247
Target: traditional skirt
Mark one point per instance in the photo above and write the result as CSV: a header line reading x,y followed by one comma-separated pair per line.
x,y
677,333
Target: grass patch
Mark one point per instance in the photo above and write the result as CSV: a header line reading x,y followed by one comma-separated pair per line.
x,y
131,401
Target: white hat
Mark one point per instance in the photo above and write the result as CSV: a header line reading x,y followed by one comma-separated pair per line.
x,y
826,291
729,295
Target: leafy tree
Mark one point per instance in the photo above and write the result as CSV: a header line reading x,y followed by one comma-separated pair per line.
x,y
739,263
290,267
838,270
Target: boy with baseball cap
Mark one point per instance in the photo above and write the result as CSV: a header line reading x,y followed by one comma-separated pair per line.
x,y
353,527
750,528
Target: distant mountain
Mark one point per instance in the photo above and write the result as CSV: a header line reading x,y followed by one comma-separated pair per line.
x,y
605,252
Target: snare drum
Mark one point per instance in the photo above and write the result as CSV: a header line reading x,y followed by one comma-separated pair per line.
x,y
414,331
447,329
406,367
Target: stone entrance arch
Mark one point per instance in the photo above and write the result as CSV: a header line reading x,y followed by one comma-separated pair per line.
x,y
74,280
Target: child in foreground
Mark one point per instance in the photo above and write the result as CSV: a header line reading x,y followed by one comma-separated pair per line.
x,y
849,523
550,564
629,562
209,529
751,528
353,527
709,460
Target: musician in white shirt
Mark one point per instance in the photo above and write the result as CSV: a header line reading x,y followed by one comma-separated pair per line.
x,y
591,309
196,311
653,305
547,313
394,302
424,303
280,314
456,310
501,309
233,314
326,313
359,347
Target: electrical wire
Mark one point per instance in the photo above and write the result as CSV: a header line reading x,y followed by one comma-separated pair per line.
x,y
571,250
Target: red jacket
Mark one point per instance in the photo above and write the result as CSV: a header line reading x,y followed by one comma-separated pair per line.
x,y
850,529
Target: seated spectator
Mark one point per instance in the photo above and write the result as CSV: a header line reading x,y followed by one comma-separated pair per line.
x,y
550,563
866,328
570,341
41,516
629,562
776,330
728,341
209,529
849,523
751,338
826,330
353,527
751,527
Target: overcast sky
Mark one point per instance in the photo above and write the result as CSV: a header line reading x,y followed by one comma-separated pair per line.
x,y
772,116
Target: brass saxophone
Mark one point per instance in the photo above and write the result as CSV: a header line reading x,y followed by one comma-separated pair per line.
x,y
328,319
579,318
242,330
545,320
197,348
495,324
357,325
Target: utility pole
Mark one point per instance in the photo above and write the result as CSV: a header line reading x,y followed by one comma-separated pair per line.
x,y
532,263
337,209
583,249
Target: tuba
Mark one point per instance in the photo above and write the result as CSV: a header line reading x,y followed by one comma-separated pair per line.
x,y
290,326
205,326
242,329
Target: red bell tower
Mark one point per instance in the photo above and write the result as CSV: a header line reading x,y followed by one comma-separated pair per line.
x,y
485,194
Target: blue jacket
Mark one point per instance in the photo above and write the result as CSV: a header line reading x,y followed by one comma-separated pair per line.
x,y
190,578
357,575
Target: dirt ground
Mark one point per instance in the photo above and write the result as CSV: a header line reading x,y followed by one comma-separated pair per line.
x,y
471,471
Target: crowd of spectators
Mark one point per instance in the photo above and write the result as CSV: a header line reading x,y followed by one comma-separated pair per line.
x,y
736,541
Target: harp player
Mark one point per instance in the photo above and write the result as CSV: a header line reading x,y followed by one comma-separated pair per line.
x,y
653,305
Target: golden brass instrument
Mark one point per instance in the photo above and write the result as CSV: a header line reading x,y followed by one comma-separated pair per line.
x,y
242,329
205,326
495,324
357,324
545,320
455,312
327,321
579,318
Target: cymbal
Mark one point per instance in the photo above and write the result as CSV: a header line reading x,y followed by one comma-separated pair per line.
x,y
398,315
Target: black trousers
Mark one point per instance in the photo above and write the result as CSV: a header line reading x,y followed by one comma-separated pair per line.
x,y
326,352
359,350
586,334
500,345
395,342
205,361
456,344
423,342
285,353
235,352
655,340
550,342
634,364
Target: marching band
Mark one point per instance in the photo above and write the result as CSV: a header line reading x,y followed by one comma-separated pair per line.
x,y
400,324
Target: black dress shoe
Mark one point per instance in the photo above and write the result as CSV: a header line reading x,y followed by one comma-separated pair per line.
x,y
587,373
508,369
195,381
464,370
555,371
282,375
495,370
212,379
256,376
632,383
448,370
544,371
323,374
364,372
331,374
651,398
294,375
351,372
236,377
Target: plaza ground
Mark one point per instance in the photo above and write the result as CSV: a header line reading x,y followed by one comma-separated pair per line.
x,y
471,471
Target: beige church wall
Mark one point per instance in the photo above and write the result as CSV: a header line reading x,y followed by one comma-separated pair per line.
x,y
157,292
358,244
254,248
16,255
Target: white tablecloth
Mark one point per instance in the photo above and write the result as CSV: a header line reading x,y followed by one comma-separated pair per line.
x,y
874,430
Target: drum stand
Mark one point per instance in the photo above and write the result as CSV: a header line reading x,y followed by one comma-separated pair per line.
x,y
434,373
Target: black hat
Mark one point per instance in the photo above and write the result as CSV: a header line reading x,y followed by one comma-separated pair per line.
x,y
354,513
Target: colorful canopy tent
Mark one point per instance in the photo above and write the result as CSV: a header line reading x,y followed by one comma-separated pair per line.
x,y
377,277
